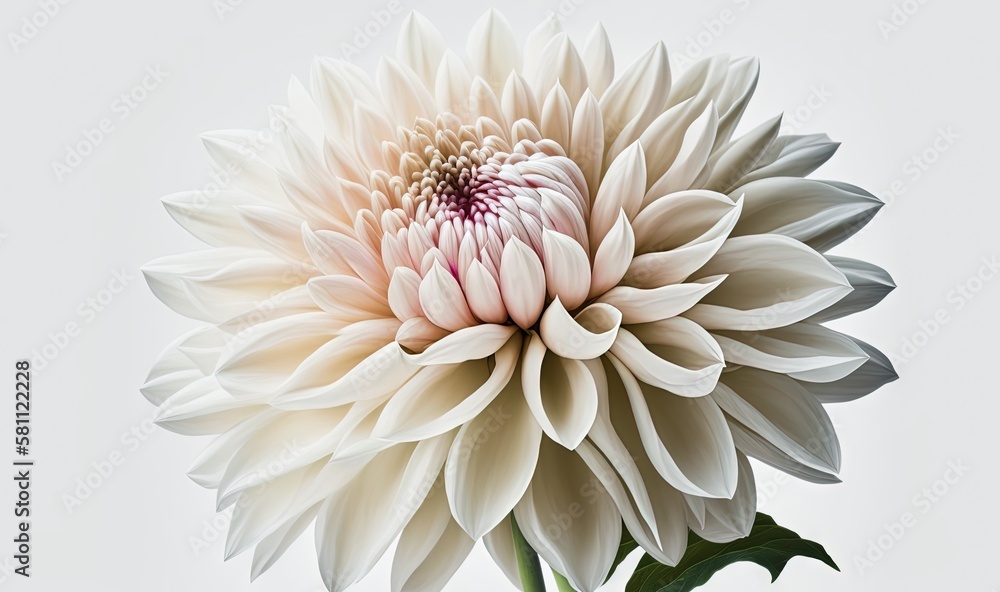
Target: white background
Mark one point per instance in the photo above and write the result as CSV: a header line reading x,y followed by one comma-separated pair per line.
x,y
63,240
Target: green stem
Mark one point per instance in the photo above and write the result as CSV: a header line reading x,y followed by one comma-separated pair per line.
x,y
562,583
527,561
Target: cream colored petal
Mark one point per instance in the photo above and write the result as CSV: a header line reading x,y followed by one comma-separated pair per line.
x,y
406,96
587,144
522,283
472,343
560,62
518,100
635,99
655,304
586,337
443,301
348,298
557,116
599,60
452,85
675,355
567,269
493,50
421,47
500,544
483,294
614,256
560,392
728,520
743,155
623,188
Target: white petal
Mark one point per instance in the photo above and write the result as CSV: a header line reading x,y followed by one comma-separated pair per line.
x,y
635,99
522,283
406,96
518,100
773,281
491,462
567,269
674,354
421,47
560,62
613,257
872,375
560,392
588,336
500,544
452,85
646,306
599,60
587,146
728,520
472,343
404,294
557,116
443,301
492,49
581,548
483,294
537,40
348,298
623,188
871,284
741,156
679,219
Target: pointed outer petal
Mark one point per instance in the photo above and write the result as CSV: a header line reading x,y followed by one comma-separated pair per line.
x,y
646,306
491,462
782,412
807,352
872,375
756,447
518,101
417,334
741,156
563,214
567,268
304,110
635,99
599,59
335,98
432,547
216,285
407,97
483,295
560,392
358,523
342,162
584,550
310,204
522,283
675,266
348,298
871,285
284,304
485,104
793,156
773,281
663,139
674,354
443,301
587,143
561,63
371,128
623,188
265,355
273,546
258,510
588,336
203,348
363,345
691,158
557,117
452,85
500,544
404,294
173,370
340,253
276,231
536,42
441,398
472,343
203,408
492,49
741,82
821,214
287,444
686,439
421,47
238,153
728,520
680,219
214,220
614,256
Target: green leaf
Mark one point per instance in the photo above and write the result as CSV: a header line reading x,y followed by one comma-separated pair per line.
x,y
625,549
769,545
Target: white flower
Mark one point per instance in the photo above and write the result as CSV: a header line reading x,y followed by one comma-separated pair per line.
x,y
514,282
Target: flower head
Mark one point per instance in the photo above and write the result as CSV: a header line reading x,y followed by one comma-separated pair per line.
x,y
511,283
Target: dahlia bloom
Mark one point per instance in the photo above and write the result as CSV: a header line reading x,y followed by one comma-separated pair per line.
x,y
511,284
